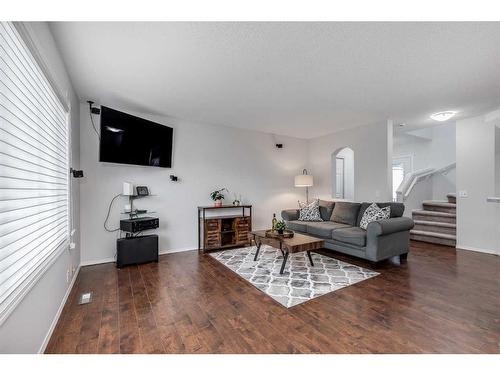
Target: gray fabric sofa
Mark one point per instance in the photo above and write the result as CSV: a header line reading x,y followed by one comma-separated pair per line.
x,y
383,239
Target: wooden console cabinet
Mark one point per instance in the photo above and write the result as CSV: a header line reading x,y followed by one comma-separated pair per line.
x,y
217,231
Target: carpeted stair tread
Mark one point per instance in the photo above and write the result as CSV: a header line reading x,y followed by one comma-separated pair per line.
x,y
433,213
434,216
433,234
440,204
452,197
435,223
435,226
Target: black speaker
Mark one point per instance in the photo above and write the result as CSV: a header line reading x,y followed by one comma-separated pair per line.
x,y
135,250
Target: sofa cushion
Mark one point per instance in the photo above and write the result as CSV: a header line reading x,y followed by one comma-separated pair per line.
x,y
352,235
345,213
295,225
324,229
397,209
289,215
325,209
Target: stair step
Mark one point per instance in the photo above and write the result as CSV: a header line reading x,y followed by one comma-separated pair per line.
x,y
440,206
452,197
442,217
433,234
435,226
433,237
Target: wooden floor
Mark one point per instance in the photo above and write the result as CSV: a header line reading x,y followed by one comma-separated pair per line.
x,y
441,301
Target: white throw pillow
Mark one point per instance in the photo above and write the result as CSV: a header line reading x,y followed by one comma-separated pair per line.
x,y
309,212
374,213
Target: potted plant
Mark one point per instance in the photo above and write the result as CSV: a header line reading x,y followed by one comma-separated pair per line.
x,y
280,227
217,197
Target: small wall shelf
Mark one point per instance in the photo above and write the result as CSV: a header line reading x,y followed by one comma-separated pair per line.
x,y
223,231
133,213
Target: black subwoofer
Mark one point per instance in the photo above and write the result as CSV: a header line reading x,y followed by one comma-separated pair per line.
x,y
135,250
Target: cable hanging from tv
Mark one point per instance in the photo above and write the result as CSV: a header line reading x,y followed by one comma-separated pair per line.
x,y
107,216
95,111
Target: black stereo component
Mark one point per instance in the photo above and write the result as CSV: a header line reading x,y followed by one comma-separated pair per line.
x,y
139,224
135,250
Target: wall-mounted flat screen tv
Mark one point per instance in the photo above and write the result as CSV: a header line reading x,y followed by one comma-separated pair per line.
x,y
128,139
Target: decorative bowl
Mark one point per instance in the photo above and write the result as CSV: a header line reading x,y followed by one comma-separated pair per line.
x,y
274,234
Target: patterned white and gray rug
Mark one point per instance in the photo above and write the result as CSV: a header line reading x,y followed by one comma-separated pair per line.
x,y
299,282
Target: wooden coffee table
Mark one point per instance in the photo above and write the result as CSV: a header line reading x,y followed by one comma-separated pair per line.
x,y
296,244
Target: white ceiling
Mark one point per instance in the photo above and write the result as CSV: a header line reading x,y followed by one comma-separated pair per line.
x,y
297,79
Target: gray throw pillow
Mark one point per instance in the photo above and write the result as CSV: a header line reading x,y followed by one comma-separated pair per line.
x,y
345,213
325,209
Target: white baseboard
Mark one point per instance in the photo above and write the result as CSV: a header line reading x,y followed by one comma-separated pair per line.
x,y
477,249
96,261
178,250
111,260
58,313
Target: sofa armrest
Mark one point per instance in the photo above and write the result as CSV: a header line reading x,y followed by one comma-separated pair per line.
x,y
388,226
289,215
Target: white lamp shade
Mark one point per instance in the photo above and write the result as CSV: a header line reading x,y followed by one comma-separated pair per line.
x,y
303,180
128,188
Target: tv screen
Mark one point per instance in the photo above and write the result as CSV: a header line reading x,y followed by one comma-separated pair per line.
x,y
128,139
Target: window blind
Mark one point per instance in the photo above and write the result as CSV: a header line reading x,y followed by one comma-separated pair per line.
x,y
34,170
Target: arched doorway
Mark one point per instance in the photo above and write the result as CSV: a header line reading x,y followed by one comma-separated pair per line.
x,y
343,174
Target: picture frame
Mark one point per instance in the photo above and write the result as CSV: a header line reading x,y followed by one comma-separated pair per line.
x,y
142,191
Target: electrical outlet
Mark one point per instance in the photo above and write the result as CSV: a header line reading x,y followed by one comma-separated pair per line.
x,y
72,246
463,194
68,275
85,298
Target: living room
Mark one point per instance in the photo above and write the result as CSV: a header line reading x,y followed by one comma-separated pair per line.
x,y
249,187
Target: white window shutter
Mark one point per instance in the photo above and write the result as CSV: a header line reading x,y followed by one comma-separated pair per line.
x,y
34,171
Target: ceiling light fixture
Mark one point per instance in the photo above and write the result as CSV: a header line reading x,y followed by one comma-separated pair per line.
x,y
443,116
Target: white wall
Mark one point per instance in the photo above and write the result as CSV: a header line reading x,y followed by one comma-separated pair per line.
x,y
205,158
477,220
435,150
416,147
497,160
443,152
26,329
372,146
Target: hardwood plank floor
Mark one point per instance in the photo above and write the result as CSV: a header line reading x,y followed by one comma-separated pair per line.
x,y
441,300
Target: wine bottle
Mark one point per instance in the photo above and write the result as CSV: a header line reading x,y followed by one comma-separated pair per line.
x,y
274,222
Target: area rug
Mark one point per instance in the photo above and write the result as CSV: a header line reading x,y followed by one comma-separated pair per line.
x,y
300,282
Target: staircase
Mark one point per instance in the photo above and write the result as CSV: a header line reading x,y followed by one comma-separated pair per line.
x,y
436,222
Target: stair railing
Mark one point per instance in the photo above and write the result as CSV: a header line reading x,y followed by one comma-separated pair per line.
x,y
412,178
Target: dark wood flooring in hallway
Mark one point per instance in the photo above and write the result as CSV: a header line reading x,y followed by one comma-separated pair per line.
x,y
441,300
